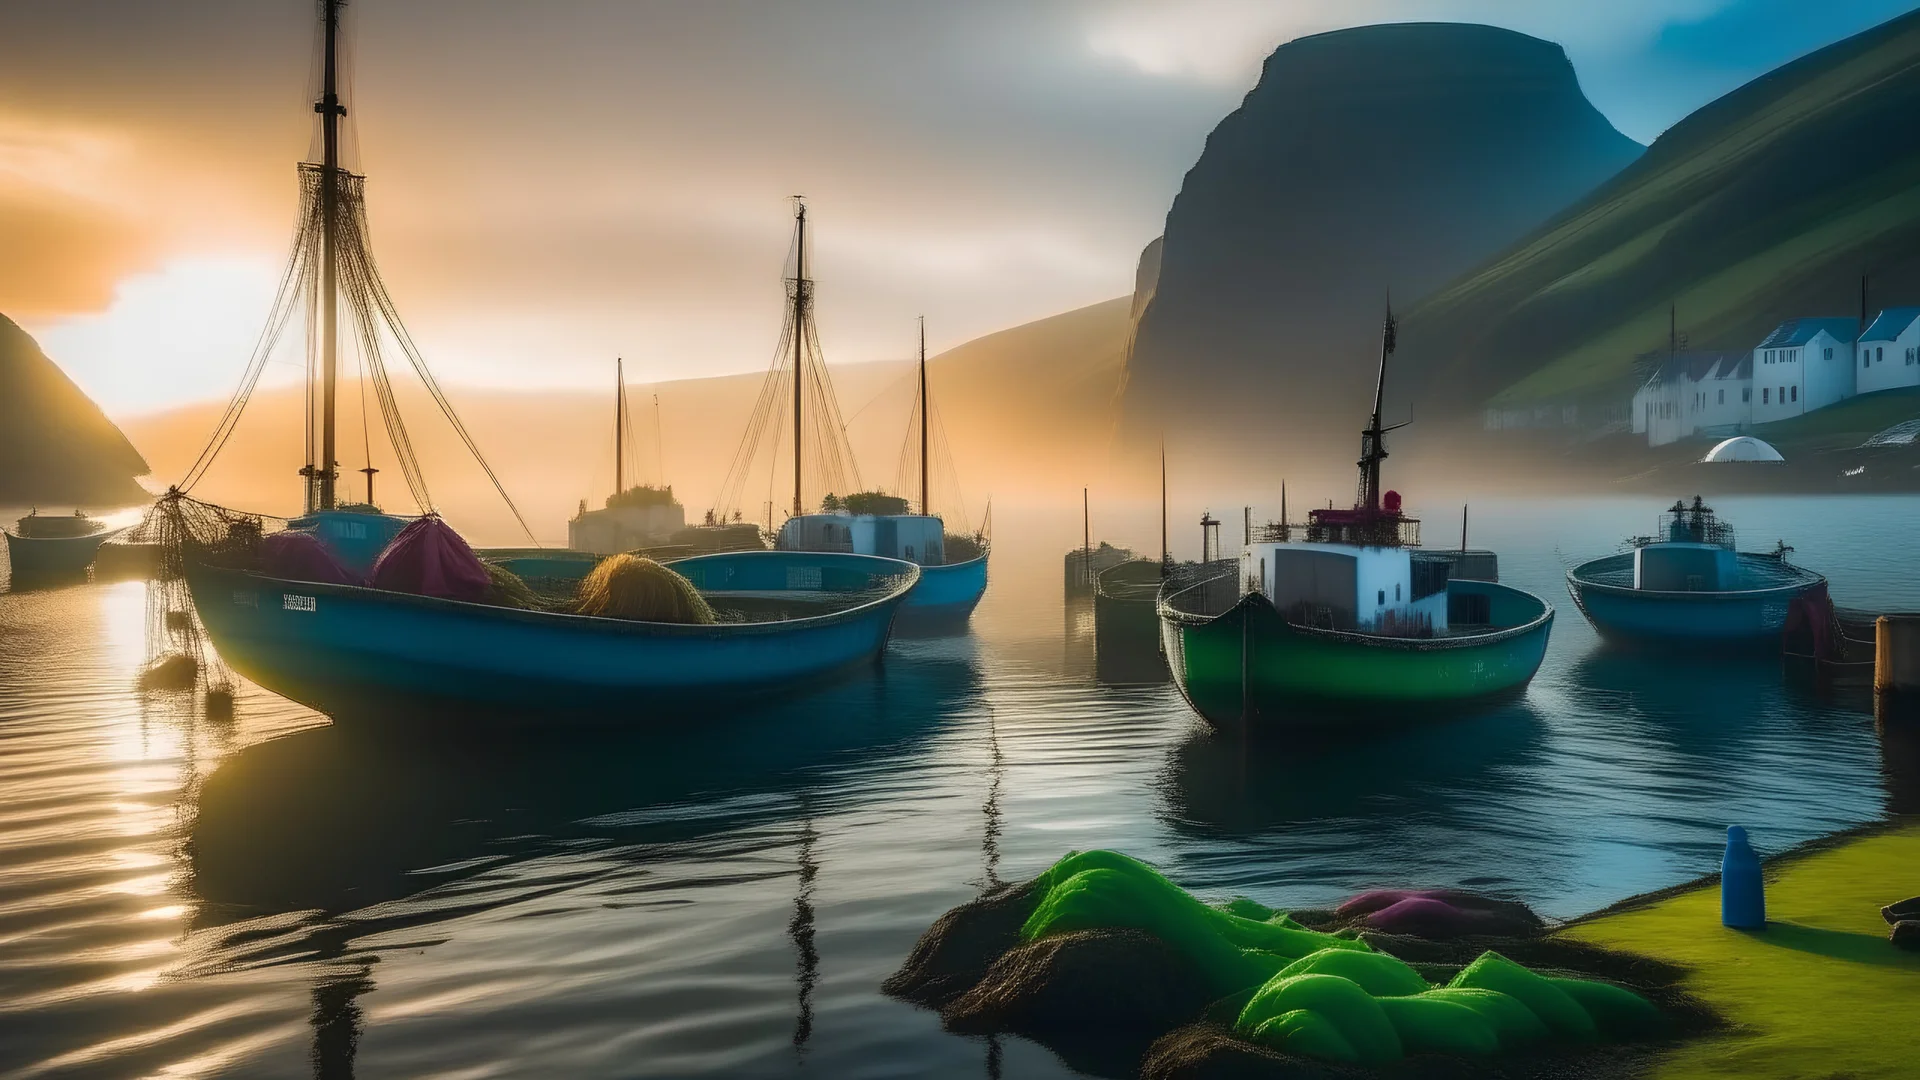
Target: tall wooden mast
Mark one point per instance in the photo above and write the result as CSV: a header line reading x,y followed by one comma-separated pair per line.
x,y
923,417
330,110
801,289
619,425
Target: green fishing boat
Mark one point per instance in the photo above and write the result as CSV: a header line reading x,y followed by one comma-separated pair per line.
x,y
1343,617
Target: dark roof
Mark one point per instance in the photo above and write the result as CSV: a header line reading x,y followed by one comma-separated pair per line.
x,y
1800,331
1891,323
1697,366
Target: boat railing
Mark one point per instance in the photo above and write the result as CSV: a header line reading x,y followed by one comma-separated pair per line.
x,y
1202,589
1378,532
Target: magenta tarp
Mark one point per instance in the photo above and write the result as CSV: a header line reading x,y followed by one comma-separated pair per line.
x,y
300,556
1439,913
429,559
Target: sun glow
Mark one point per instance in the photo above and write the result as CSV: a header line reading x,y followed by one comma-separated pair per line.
x,y
178,334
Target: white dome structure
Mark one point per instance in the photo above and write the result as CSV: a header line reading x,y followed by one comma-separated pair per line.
x,y
1744,448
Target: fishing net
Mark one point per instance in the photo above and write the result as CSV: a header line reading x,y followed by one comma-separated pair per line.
x,y
631,587
298,555
429,559
179,656
508,589
1333,997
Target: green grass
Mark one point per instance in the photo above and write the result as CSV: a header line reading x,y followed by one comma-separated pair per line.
x,y
1864,416
1819,993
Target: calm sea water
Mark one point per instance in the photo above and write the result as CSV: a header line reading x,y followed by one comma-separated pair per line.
x,y
276,895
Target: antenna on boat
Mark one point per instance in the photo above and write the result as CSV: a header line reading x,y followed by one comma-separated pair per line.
x,y
801,288
1463,526
1086,527
1286,531
923,417
659,442
1372,449
368,472
330,110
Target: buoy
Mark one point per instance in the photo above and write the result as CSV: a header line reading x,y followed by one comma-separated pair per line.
x,y
1896,665
1743,898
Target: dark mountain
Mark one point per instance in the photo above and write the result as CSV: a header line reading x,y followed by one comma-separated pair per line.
x,y
56,446
1365,160
1766,204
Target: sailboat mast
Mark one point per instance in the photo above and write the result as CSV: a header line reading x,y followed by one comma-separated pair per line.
x,y
1166,554
330,111
619,425
923,417
1372,450
800,284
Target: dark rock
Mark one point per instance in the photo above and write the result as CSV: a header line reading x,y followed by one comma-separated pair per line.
x,y
56,446
1366,161
960,946
1105,981
1906,934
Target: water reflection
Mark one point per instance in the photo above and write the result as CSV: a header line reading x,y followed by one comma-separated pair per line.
x,y
1220,783
346,816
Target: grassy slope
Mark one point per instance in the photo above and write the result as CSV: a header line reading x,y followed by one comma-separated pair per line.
x,y
1819,993
1766,203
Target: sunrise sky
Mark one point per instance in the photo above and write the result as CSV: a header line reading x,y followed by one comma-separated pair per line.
x,y
554,184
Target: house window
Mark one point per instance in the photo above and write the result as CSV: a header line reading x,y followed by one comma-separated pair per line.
x,y
1396,592
1746,393
1766,395
1723,398
1796,393
1827,355
1879,354
1383,598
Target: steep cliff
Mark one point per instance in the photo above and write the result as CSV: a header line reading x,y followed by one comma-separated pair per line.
x,y
56,446
1377,160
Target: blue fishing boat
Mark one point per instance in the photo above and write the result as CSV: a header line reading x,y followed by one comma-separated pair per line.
x,y
358,612
1687,585
45,548
953,567
341,648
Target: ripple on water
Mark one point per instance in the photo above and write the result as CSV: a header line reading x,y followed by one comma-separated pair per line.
x,y
281,896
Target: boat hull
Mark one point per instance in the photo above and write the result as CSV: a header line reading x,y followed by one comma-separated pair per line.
x,y
1250,670
33,559
340,648
948,591
1747,619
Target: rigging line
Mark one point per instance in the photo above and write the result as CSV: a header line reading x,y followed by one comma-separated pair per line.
x,y
360,306
392,317
366,440
733,486
277,318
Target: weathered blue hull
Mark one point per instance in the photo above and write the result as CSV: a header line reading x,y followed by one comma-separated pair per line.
x,y
345,648
949,591
34,559
1747,618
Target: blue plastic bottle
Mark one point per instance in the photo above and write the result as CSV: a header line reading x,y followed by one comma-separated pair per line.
x,y
1743,899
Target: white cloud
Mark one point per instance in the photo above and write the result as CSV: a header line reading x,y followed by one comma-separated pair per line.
x,y
1223,41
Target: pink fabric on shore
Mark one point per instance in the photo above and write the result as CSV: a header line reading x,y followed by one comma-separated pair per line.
x,y
429,559
1439,913
300,556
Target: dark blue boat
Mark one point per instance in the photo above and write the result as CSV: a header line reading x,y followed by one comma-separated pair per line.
x,y
339,647
1688,586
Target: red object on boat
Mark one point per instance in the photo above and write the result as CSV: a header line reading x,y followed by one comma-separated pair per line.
x,y
297,555
1391,502
1809,624
429,559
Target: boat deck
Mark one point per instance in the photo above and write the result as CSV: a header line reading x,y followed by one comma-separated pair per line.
x,y
1757,572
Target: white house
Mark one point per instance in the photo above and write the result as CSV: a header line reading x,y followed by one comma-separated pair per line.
x,y
1889,351
1695,393
1805,364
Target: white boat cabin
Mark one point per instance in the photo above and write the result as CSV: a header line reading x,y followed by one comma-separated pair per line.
x,y
1686,567
1382,590
912,538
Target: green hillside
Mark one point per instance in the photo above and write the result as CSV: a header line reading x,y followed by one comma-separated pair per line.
x,y
1770,202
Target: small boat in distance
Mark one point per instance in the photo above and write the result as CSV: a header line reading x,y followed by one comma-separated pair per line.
x,y
953,567
1687,585
1321,624
640,516
53,547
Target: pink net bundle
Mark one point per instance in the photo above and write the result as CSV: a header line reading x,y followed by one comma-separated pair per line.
x,y
429,559
301,556
1440,913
